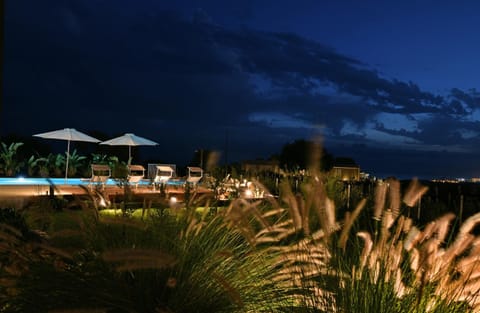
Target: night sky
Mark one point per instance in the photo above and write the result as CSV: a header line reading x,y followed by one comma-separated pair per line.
x,y
391,84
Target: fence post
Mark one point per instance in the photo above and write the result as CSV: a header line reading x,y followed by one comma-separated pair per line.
x,y
419,207
460,215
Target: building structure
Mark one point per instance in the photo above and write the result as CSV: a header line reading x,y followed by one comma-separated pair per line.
x,y
345,169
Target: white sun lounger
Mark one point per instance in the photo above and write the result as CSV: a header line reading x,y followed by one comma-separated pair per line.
x,y
194,175
135,174
100,174
163,175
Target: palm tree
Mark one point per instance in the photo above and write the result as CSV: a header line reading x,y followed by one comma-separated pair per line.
x,y
54,163
75,162
8,160
33,165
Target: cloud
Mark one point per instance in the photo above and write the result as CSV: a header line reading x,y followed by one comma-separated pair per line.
x,y
278,120
192,81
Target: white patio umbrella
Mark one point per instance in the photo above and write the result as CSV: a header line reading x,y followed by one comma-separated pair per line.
x,y
68,134
129,140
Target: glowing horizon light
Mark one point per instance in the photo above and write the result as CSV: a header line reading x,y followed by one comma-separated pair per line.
x,y
21,178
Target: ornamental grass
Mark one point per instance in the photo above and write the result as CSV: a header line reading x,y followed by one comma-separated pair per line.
x,y
295,253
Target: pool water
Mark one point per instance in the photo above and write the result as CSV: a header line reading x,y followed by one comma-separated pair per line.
x,y
20,181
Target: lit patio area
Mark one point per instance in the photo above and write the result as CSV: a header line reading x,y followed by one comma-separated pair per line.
x,y
16,192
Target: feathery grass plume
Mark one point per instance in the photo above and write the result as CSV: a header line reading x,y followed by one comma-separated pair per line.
x,y
443,225
367,248
394,196
469,266
280,226
475,250
300,254
275,233
380,196
192,225
414,191
342,241
389,219
298,269
276,212
407,224
383,258
469,224
304,213
399,229
324,207
403,263
331,225
433,266
291,202
306,206
386,243
459,247
413,236
462,243
195,225
239,216
446,269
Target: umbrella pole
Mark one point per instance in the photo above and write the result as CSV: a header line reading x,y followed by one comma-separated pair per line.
x,y
66,163
129,154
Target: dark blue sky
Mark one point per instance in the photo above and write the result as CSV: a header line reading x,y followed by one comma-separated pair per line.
x,y
391,84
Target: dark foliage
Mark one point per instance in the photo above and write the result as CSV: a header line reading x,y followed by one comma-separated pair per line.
x,y
297,155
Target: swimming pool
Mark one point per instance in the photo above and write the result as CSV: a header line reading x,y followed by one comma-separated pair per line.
x,y
11,181
23,187
37,181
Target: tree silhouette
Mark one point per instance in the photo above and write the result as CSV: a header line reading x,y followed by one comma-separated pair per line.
x,y
299,154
